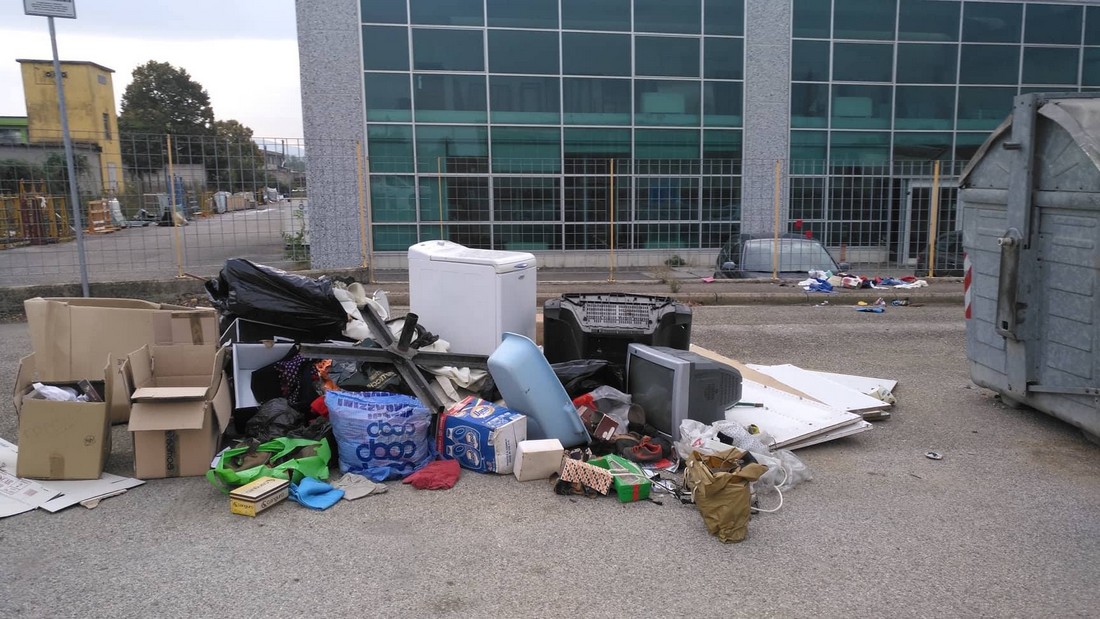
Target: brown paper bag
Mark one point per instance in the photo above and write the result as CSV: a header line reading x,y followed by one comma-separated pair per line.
x,y
720,487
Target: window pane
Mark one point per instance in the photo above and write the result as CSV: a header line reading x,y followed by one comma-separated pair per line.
x,y
1092,25
526,14
1090,73
989,64
523,51
447,12
862,62
984,108
389,148
595,144
810,61
528,237
925,107
383,11
595,54
387,96
922,146
992,22
663,102
809,105
807,146
447,50
722,104
861,107
1053,23
392,198
664,16
966,144
864,19
589,15
666,144
385,48
524,100
665,199
596,101
1050,65
926,64
526,199
470,235
721,144
449,98
724,17
393,238
452,149
723,58
928,20
457,199
859,146
526,149
672,56
811,19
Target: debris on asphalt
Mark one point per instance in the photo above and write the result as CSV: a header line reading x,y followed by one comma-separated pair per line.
x,y
317,391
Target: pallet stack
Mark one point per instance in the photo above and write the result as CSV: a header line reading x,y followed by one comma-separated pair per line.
x,y
99,218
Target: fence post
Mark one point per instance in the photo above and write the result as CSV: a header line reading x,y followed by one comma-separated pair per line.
x,y
439,192
172,210
775,245
611,235
933,216
362,218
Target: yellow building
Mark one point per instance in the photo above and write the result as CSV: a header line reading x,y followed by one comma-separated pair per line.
x,y
90,102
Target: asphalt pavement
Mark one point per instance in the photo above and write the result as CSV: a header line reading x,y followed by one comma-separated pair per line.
x,y
1005,525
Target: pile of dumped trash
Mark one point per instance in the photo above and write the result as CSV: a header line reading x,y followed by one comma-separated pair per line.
x,y
827,281
316,391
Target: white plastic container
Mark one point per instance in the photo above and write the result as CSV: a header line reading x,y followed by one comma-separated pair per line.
x,y
471,297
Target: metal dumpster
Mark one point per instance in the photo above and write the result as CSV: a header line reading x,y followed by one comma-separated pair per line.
x,y
1030,202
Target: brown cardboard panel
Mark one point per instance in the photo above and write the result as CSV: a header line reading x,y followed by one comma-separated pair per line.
x,y
167,415
149,394
183,360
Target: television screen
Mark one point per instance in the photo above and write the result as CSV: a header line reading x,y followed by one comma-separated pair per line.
x,y
672,385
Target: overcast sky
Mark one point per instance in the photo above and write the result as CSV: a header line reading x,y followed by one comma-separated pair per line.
x,y
244,52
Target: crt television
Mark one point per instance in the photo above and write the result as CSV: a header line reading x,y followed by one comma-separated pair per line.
x,y
672,385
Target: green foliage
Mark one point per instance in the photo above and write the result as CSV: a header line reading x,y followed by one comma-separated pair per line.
x,y
162,99
233,161
296,249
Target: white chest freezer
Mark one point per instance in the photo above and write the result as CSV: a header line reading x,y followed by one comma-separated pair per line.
x,y
471,297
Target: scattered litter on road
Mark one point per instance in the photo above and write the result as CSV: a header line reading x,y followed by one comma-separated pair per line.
x,y
933,455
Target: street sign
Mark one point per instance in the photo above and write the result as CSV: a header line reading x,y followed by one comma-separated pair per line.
x,y
50,8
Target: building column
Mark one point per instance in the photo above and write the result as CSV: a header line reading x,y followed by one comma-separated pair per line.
x,y
767,113
333,116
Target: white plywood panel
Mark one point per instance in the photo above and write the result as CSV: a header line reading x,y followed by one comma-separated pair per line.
x,y
841,432
862,384
787,418
822,389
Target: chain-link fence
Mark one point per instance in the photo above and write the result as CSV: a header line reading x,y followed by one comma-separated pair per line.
x,y
158,206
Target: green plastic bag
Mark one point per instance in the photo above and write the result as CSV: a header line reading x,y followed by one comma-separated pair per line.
x,y
280,458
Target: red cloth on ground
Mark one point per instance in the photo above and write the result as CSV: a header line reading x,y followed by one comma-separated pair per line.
x,y
436,475
319,407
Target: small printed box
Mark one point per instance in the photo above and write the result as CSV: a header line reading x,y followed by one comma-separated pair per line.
x,y
257,496
630,482
586,474
481,435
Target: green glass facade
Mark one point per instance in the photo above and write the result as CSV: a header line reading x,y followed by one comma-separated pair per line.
x,y
544,124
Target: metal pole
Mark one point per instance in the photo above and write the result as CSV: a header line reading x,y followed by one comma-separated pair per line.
x,y
74,196
611,210
362,214
775,244
933,216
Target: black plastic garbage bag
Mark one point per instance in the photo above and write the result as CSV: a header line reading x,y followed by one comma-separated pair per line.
x,y
275,418
582,376
257,292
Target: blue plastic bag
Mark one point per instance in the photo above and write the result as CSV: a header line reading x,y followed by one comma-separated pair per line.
x,y
379,435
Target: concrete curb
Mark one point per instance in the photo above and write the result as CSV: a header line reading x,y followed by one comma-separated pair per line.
x,y
741,292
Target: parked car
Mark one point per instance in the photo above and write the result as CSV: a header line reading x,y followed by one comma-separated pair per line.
x,y
749,255
949,256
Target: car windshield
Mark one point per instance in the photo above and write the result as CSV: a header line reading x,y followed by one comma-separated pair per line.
x,y
795,255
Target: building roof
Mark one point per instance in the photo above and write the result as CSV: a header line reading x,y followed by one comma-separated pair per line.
x,y
50,62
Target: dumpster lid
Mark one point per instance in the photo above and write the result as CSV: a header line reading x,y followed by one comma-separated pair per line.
x,y
1079,117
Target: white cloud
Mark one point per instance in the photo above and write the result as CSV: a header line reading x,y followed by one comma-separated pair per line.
x,y
247,63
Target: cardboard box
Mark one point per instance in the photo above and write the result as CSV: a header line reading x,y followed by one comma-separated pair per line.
x,y
71,336
248,358
62,440
257,496
538,459
180,405
482,436
588,475
629,481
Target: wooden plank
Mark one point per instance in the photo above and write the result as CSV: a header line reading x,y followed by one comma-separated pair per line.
x,y
747,373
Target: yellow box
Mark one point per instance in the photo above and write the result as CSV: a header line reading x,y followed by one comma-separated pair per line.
x,y
253,498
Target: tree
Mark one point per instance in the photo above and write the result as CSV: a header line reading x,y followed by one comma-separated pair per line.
x,y
235,163
163,99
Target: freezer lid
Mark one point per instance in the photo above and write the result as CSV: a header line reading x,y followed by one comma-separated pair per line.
x,y
446,251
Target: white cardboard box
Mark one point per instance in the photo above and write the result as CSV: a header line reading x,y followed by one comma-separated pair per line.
x,y
538,459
